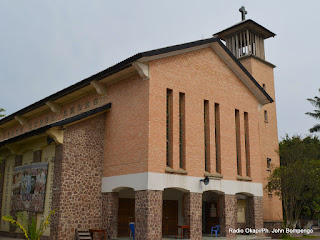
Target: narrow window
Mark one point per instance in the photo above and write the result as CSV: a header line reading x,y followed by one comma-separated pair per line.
x,y
217,136
182,141
206,136
246,143
265,116
268,163
169,127
264,86
238,143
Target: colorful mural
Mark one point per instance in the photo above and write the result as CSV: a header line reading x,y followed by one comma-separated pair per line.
x,y
29,187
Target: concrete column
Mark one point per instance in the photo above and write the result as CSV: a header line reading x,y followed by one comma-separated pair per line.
x,y
228,214
110,205
192,207
148,215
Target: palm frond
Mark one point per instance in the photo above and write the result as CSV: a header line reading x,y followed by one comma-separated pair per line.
x,y
314,115
315,128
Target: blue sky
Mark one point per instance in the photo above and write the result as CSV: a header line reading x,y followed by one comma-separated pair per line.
x,y
46,46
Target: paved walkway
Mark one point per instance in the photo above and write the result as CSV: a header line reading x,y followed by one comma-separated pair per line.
x,y
239,237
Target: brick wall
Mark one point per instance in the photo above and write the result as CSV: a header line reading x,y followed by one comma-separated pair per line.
x,y
268,133
201,75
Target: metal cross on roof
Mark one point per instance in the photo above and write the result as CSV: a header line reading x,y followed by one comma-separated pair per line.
x,y
243,12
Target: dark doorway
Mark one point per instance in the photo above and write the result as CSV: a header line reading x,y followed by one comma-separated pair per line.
x,y
210,211
125,216
170,217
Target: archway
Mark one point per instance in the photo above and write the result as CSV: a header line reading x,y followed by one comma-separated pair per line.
x,y
126,210
211,211
173,212
244,209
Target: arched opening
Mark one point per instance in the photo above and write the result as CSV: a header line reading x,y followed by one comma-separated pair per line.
x,y
126,210
244,209
173,211
211,211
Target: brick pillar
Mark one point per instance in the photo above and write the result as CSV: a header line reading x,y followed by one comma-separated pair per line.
x,y
148,215
192,206
228,214
255,212
110,205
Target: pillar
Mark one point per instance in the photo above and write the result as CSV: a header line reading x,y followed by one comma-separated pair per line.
x,y
57,175
18,162
110,205
148,215
255,212
228,214
192,210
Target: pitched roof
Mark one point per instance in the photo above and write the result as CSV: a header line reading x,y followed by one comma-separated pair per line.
x,y
215,43
245,24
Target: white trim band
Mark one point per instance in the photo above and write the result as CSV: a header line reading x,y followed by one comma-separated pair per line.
x,y
161,181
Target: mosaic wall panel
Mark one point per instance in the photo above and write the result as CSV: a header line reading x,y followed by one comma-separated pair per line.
x,y
48,156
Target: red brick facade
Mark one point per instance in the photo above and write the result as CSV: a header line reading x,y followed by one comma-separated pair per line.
x,y
131,139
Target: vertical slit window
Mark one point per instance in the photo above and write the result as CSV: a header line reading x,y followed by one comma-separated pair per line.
x,y
217,136
246,143
206,136
169,127
182,130
238,143
265,116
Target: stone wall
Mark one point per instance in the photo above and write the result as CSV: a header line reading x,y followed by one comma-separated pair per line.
x,y
255,212
110,204
230,214
79,201
148,215
192,205
56,191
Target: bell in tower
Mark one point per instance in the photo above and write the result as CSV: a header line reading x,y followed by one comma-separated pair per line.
x,y
245,38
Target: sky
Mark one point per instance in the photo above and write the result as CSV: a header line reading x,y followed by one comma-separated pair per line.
x,y
46,46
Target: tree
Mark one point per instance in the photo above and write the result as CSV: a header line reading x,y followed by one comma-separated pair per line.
x,y
1,114
316,113
297,180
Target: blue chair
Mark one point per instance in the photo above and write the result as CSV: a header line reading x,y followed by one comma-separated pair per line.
x,y
215,229
131,226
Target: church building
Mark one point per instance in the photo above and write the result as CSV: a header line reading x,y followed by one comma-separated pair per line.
x,y
182,137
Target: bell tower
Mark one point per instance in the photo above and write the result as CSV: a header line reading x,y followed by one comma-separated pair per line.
x,y
245,40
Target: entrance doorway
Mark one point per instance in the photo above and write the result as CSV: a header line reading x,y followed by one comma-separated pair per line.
x,y
126,211
172,213
170,217
210,211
